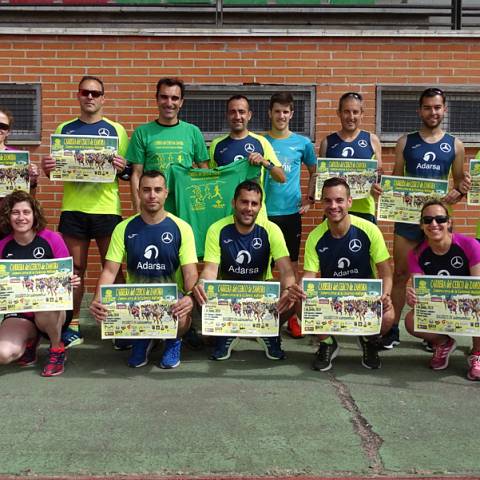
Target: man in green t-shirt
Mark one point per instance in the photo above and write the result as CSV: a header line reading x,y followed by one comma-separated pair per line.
x,y
167,140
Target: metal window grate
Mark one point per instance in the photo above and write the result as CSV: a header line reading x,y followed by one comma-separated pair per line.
x,y
205,106
24,101
397,111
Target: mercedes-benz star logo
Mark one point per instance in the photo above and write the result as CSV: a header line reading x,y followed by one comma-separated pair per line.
x,y
167,237
257,243
456,262
355,245
445,147
362,143
103,132
249,148
38,252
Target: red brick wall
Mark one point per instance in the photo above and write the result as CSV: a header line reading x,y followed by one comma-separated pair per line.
x,y
130,67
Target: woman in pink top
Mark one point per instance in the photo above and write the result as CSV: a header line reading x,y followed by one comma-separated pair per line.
x,y
449,254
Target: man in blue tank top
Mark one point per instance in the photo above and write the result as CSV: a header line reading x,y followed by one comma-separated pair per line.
x,y
428,153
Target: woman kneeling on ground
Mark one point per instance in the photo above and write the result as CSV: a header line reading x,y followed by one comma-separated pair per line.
x,y
21,216
443,253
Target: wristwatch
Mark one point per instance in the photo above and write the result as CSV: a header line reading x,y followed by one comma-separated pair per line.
x,y
269,165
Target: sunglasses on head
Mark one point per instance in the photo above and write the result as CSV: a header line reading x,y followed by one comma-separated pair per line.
x,y
351,94
427,219
93,93
4,126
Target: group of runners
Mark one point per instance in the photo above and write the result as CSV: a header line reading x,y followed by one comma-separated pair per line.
x,y
264,228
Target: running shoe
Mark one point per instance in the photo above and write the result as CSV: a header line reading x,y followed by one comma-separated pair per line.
x,y
192,340
224,347
272,347
427,346
29,357
441,354
474,364
71,338
293,327
122,344
390,339
140,350
324,356
55,363
171,354
370,358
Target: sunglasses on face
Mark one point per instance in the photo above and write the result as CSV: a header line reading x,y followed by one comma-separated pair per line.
x,y
4,126
93,93
427,219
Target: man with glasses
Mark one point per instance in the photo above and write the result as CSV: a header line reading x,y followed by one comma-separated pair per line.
x,y
427,153
166,140
89,210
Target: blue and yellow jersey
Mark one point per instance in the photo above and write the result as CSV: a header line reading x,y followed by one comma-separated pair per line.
x,y
244,257
90,197
352,256
153,253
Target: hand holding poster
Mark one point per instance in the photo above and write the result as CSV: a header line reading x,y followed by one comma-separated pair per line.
x,y
403,197
473,195
35,285
359,174
14,171
448,305
83,158
341,307
245,309
139,310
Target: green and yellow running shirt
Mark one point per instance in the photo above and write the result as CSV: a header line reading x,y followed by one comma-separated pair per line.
x,y
352,256
153,253
244,257
157,146
90,197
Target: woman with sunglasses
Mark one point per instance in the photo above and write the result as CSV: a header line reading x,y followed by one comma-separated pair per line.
x,y
22,217
443,253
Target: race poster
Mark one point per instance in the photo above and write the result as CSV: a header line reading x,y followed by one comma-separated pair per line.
x,y
448,305
243,309
83,158
473,195
139,310
14,171
403,197
359,174
35,285
341,307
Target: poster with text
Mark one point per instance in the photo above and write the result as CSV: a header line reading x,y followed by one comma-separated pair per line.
x,y
14,171
473,195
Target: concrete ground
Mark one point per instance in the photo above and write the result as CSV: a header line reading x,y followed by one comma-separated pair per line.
x,y
245,417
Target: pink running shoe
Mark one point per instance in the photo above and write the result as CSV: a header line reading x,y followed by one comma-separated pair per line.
x,y
474,364
441,353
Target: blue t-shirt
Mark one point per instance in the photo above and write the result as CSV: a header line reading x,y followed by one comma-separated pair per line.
x,y
360,148
286,198
428,160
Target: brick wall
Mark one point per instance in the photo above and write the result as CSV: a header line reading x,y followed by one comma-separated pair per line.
x,y
131,66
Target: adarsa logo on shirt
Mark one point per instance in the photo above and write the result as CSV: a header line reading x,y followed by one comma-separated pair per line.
x,y
243,270
151,266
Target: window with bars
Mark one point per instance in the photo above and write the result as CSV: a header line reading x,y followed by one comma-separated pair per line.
x,y
397,111
24,101
205,106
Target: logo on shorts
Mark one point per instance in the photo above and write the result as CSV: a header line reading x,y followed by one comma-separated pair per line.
x,y
444,273
103,132
167,237
347,152
362,143
355,245
429,157
39,252
343,263
243,257
445,147
151,252
257,243
456,262
249,147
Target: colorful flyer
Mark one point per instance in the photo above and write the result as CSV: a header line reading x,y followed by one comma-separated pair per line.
x,y
35,285
139,310
14,171
473,196
448,305
403,197
241,309
341,307
359,174
83,158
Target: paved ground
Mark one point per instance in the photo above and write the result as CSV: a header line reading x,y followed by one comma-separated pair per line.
x,y
244,417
